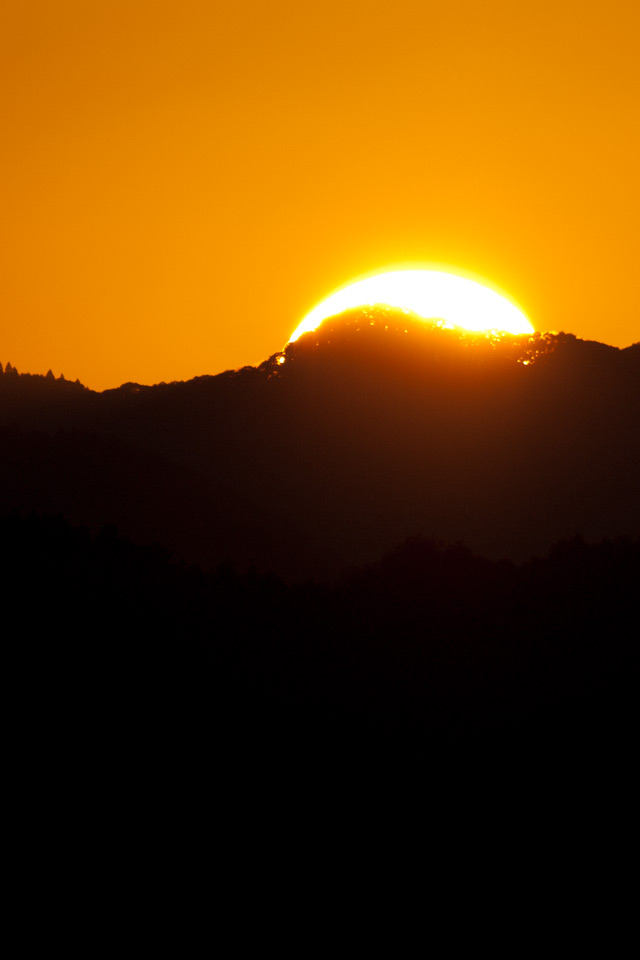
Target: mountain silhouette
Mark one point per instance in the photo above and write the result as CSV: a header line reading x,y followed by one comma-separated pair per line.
x,y
374,428
467,505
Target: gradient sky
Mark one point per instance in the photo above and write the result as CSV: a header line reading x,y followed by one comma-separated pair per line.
x,y
181,182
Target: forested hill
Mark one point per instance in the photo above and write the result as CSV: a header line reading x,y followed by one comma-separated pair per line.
x,y
374,428
124,659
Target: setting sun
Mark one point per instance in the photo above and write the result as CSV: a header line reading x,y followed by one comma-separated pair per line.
x,y
453,300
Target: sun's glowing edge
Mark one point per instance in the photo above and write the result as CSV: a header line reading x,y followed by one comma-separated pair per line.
x,y
448,296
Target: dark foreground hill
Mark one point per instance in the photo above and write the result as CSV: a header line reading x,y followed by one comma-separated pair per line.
x,y
373,429
120,659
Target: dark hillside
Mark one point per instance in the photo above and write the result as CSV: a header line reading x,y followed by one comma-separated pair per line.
x,y
121,662
375,428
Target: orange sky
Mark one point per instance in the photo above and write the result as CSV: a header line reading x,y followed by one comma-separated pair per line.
x,y
181,182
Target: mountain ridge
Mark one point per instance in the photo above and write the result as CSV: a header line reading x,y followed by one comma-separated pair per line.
x,y
334,450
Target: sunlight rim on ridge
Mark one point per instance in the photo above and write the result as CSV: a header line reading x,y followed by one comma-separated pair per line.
x,y
432,295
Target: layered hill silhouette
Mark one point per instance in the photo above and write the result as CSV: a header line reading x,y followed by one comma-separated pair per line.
x,y
145,665
375,428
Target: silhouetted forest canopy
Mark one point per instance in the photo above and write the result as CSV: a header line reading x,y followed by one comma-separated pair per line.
x,y
374,428
387,540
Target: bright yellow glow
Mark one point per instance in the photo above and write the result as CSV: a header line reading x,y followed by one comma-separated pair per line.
x,y
431,294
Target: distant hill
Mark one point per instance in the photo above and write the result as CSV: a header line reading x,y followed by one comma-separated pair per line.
x,y
372,429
